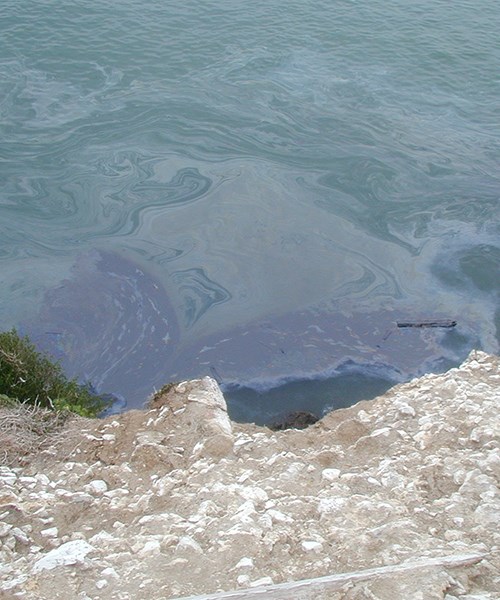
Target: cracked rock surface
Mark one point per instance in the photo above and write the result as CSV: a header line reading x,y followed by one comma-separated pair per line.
x,y
177,500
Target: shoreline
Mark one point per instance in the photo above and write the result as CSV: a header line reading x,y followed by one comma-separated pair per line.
x,y
177,500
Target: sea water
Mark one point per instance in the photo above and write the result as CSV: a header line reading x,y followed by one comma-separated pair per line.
x,y
256,191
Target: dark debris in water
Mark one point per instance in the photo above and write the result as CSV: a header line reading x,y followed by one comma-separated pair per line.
x,y
294,420
447,323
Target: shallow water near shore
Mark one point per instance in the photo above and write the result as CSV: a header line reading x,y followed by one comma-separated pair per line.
x,y
253,192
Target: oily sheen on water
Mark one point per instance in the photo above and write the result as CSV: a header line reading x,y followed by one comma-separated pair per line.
x,y
254,191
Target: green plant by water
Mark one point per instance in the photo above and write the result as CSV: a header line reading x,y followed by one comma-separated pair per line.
x,y
31,377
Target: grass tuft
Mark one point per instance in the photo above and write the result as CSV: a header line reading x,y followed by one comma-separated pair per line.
x,y
32,378
25,430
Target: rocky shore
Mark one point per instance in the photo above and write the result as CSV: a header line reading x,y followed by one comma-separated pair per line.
x,y
177,500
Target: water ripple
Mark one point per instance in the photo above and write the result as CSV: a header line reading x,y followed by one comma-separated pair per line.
x,y
255,162
199,293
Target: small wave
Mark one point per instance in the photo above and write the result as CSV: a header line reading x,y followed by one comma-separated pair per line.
x,y
262,385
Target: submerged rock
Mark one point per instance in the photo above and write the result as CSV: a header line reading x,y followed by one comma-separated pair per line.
x,y
294,420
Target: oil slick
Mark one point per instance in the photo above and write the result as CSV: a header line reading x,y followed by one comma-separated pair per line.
x,y
109,323
114,324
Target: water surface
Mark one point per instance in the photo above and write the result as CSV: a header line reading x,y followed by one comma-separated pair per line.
x,y
253,191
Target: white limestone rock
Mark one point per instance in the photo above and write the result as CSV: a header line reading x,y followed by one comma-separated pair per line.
x,y
263,581
245,563
330,474
187,543
96,487
50,532
254,494
70,553
4,529
312,546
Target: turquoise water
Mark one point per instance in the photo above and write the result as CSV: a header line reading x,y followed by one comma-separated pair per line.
x,y
256,191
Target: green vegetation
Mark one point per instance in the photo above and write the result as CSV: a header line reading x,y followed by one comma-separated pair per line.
x,y
31,377
6,402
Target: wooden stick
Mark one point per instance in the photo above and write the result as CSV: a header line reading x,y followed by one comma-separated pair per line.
x,y
428,323
308,588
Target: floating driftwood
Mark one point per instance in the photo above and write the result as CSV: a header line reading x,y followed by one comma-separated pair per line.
x,y
428,323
